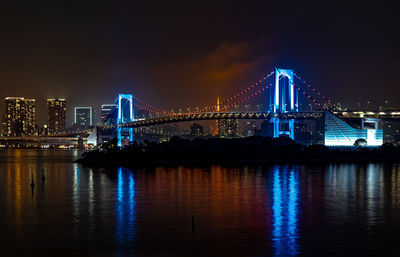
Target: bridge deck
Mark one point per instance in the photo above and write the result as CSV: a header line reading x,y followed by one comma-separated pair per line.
x,y
223,115
384,115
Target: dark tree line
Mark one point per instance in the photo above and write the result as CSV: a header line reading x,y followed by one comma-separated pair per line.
x,y
220,150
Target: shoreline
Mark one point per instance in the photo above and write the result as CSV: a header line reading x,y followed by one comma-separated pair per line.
x,y
242,151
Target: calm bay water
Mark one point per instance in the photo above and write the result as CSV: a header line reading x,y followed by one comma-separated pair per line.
x,y
278,210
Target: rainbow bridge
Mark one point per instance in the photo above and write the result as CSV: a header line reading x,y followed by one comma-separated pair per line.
x,y
287,99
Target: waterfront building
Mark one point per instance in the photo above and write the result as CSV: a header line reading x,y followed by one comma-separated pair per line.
x,y
196,130
247,128
43,131
228,128
3,126
302,133
56,118
20,116
83,117
109,113
340,133
225,128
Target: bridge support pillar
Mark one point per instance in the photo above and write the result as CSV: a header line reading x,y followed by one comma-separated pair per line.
x,y
276,127
125,115
124,133
291,129
119,136
283,98
287,130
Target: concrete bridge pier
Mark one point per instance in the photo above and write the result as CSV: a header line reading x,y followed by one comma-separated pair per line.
x,y
283,127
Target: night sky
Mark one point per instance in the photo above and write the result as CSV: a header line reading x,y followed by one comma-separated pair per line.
x,y
185,54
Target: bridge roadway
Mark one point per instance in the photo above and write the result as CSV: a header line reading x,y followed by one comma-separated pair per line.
x,y
60,139
221,116
382,115
392,115
43,140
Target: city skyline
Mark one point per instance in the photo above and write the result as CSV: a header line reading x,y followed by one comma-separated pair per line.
x,y
42,119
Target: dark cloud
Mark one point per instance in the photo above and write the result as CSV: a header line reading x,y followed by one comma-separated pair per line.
x,y
221,72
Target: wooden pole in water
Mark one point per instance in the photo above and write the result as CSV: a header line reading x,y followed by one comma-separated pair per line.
x,y
32,182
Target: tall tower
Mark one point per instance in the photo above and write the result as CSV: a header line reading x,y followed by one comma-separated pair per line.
x,y
109,113
83,117
20,118
283,98
226,127
216,121
125,115
56,119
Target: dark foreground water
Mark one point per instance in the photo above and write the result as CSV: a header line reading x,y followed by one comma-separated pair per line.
x,y
281,210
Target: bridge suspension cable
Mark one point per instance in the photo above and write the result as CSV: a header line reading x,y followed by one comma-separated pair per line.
x,y
242,97
248,89
150,110
224,104
142,105
315,91
247,98
304,93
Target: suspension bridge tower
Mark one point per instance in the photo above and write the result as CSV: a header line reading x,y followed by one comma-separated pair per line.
x,y
283,98
125,115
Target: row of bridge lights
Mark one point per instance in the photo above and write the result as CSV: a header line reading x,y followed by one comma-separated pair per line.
x,y
207,108
153,109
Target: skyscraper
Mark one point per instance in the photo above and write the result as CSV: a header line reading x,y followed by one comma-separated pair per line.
x,y
109,113
225,128
20,118
56,115
83,117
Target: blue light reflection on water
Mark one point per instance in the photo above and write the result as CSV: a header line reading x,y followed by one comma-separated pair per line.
x,y
76,199
125,208
285,211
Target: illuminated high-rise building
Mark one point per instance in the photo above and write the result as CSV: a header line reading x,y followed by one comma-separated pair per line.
x,y
30,117
225,128
56,119
83,117
20,117
228,127
109,113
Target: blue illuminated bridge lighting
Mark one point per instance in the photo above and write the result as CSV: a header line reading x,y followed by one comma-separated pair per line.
x,y
283,109
285,211
125,115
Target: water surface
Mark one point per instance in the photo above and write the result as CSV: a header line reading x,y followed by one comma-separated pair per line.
x,y
278,210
